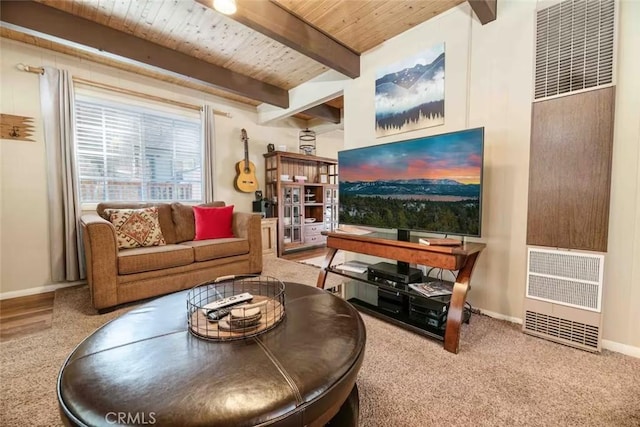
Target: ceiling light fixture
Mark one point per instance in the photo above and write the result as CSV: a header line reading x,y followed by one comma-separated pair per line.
x,y
307,142
228,7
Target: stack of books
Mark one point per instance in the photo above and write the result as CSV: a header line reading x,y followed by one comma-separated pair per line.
x,y
433,289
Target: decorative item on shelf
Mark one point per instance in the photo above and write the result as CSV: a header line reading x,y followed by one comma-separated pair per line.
x,y
323,174
271,148
307,142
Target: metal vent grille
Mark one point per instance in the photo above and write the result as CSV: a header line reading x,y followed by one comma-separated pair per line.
x,y
574,47
565,264
562,329
574,294
568,278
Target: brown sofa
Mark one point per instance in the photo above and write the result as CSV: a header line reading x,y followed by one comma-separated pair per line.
x,y
117,276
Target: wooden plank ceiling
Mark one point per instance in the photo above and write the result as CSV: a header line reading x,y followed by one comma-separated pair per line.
x,y
192,28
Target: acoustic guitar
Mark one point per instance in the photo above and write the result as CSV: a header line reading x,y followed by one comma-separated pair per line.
x,y
246,180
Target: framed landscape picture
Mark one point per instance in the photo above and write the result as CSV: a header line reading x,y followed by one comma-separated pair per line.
x,y
410,93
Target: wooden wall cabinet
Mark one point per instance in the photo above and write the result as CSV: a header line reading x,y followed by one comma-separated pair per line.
x,y
304,209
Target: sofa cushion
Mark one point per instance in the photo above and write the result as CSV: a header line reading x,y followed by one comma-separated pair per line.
x,y
138,260
136,227
184,220
164,215
213,223
205,250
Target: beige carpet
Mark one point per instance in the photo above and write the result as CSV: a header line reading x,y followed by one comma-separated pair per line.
x,y
501,377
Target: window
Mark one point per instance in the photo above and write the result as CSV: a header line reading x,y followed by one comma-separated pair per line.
x,y
133,153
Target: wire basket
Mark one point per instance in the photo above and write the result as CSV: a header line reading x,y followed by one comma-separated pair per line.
x,y
262,312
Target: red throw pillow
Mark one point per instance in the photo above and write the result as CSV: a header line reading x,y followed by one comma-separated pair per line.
x,y
213,223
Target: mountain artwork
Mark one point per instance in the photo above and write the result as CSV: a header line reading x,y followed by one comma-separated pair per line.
x,y
410,93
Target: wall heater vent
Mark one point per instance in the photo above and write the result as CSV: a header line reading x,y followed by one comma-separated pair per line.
x,y
574,47
568,331
562,277
563,298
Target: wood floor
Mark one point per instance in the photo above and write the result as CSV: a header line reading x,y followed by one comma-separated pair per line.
x,y
300,255
24,315
32,313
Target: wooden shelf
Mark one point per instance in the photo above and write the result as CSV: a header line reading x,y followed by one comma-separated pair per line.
x,y
289,201
399,319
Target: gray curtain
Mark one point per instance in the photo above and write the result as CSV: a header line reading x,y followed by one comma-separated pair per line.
x,y
208,160
57,103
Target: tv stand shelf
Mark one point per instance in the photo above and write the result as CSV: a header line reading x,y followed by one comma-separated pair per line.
x,y
399,319
461,258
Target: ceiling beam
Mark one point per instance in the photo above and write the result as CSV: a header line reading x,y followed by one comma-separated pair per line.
x,y
324,112
318,90
485,10
56,25
281,25
320,127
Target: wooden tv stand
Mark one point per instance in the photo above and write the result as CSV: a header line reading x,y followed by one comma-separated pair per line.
x,y
385,245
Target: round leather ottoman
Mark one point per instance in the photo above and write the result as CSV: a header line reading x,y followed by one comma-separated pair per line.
x,y
146,368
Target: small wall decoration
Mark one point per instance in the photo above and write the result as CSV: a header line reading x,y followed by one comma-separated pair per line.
x,y
16,127
410,93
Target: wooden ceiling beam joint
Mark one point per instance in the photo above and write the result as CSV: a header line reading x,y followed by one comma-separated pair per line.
x,y
485,10
324,112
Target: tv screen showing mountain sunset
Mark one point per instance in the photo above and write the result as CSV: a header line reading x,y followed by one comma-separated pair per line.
x,y
431,184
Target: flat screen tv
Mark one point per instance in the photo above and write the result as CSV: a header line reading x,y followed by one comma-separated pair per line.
x,y
431,184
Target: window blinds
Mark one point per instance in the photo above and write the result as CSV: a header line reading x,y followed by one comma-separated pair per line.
x,y
132,153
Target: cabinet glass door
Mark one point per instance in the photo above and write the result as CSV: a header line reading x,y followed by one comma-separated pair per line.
x,y
292,214
331,208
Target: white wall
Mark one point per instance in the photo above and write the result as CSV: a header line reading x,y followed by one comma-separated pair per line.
x,y
622,270
24,252
489,83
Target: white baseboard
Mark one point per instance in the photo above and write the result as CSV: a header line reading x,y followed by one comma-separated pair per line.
x,y
39,289
606,344
501,316
621,348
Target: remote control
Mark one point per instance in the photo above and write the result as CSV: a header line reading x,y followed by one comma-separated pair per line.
x,y
226,302
215,315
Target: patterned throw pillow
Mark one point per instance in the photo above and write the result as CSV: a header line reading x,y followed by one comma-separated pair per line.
x,y
136,227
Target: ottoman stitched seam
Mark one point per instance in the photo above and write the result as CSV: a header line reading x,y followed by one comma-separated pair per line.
x,y
284,373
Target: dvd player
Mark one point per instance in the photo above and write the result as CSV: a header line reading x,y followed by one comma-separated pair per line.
x,y
384,271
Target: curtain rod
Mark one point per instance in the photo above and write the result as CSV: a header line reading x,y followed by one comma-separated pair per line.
x,y
79,80
30,69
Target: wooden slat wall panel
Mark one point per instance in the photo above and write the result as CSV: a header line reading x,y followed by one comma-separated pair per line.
x,y
570,171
